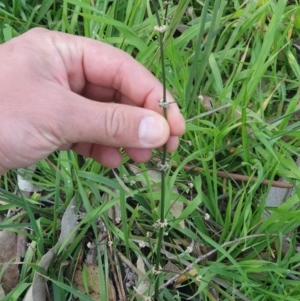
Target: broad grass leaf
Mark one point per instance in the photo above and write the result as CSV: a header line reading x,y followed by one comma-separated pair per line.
x,y
263,139
216,73
131,37
45,6
293,64
16,293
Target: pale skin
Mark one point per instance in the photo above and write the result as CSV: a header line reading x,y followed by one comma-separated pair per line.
x,y
61,92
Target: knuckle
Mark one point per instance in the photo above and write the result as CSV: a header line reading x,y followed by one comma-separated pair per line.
x,y
117,124
36,32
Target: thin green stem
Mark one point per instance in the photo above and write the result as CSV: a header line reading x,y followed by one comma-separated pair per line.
x,y
164,155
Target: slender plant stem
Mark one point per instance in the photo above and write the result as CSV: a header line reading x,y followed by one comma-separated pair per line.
x,y
164,155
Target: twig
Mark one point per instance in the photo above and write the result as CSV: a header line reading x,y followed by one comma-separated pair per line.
x,y
208,113
122,294
118,281
237,177
202,257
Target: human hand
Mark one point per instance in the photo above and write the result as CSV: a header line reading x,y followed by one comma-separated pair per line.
x,y
58,92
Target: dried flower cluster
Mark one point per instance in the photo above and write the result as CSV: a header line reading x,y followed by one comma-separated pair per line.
x,y
160,224
162,166
161,28
163,104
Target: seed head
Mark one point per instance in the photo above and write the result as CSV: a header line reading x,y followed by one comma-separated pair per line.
x,y
189,249
161,28
162,166
142,244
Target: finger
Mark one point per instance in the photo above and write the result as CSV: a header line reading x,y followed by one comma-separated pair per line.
x,y
107,156
139,155
107,124
172,144
97,93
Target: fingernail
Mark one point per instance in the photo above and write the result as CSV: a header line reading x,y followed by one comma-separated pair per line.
x,y
151,130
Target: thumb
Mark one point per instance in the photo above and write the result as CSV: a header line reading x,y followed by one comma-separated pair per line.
x,y
111,124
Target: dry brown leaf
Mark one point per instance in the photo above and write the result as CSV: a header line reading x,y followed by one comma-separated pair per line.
x,y
93,283
177,208
21,244
171,267
91,256
2,293
114,212
207,102
142,285
183,278
8,252
38,289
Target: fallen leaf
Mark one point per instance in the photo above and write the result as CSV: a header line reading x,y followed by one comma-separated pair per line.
x,y
122,184
68,224
93,283
21,246
277,196
142,285
177,208
25,180
183,278
8,252
38,289
171,267
2,293
207,102
113,212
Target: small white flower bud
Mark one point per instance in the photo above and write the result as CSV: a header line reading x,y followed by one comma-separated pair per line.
x,y
199,278
161,28
189,249
206,216
142,244
163,167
